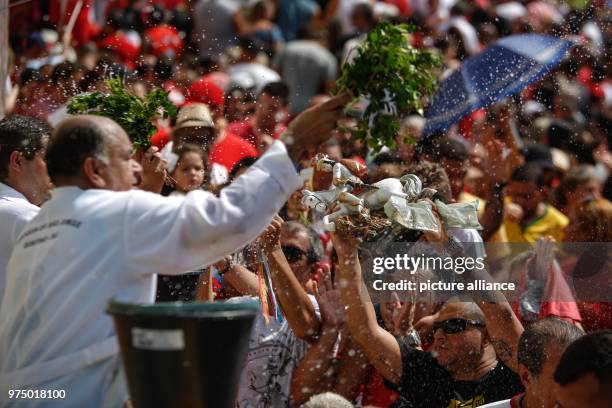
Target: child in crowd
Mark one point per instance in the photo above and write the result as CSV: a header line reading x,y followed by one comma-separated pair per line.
x,y
188,173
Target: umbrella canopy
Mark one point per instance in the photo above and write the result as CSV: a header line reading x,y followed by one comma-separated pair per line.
x,y
501,70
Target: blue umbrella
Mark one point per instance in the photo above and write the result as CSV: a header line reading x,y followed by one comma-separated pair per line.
x,y
501,70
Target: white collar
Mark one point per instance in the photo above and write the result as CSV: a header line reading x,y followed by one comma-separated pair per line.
x,y
7,191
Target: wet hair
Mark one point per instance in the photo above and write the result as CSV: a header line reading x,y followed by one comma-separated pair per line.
x,y
433,176
157,15
451,149
278,90
62,71
163,69
530,173
315,250
29,75
250,45
185,148
551,331
24,134
244,163
574,178
104,68
428,144
387,158
595,216
73,141
591,353
365,11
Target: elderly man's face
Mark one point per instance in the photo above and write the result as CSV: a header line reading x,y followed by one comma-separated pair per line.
x,y
119,170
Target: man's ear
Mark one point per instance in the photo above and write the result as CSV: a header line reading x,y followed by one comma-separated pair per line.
x,y
15,162
486,340
525,375
91,171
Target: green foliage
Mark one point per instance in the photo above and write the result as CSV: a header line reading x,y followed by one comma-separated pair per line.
x,y
135,115
386,64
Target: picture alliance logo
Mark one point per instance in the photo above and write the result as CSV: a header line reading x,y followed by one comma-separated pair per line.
x,y
412,264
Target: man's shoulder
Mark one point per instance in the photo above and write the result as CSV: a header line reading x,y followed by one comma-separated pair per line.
x,y
17,208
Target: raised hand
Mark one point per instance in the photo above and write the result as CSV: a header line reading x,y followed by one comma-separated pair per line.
x,y
345,245
328,298
153,170
270,239
544,257
313,126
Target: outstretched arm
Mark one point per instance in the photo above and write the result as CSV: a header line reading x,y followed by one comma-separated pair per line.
x,y
201,228
381,348
320,371
503,326
293,299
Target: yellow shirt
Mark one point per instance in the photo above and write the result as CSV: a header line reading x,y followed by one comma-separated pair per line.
x,y
551,223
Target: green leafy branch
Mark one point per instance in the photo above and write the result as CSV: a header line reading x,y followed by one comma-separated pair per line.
x,y
390,73
135,115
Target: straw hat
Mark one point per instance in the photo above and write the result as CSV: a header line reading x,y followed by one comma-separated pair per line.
x,y
194,115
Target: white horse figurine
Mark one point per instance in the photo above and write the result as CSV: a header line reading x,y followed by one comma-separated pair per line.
x,y
321,201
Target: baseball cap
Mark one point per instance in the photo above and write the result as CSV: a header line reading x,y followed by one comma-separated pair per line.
x,y
205,90
194,115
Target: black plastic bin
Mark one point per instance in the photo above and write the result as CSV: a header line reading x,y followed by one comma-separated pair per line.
x,y
183,354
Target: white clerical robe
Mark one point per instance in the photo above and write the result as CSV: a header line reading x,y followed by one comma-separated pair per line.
x,y
15,212
87,246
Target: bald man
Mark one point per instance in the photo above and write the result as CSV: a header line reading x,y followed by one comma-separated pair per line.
x,y
98,238
473,357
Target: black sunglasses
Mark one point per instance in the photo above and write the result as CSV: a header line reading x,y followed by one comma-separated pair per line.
x,y
293,253
456,325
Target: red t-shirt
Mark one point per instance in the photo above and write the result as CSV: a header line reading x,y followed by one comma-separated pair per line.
x,y
163,39
231,150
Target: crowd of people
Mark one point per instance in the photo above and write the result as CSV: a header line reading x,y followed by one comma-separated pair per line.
x,y
217,200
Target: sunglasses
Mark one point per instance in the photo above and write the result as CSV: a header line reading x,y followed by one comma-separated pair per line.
x,y
456,325
292,253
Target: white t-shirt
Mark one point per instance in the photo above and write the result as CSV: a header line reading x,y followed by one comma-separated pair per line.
x,y
498,404
251,75
274,352
15,212
87,246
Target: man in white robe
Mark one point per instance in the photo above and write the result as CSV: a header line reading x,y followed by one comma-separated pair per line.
x,y
98,239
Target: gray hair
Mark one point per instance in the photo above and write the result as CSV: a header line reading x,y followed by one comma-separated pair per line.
x,y
534,340
327,400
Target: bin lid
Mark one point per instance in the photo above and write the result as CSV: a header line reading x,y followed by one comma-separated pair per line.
x,y
184,309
